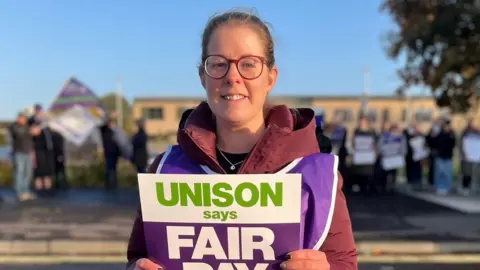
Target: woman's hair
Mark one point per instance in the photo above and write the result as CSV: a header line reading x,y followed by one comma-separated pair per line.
x,y
240,18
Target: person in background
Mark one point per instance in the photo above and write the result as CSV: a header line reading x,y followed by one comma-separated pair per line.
x,y
431,142
364,145
44,155
392,150
443,161
59,161
140,149
324,142
338,136
111,151
22,146
470,168
413,163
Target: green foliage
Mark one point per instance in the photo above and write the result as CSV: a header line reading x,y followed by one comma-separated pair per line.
x,y
3,139
109,102
441,41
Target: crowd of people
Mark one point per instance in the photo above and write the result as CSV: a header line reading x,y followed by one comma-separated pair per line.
x,y
38,154
371,159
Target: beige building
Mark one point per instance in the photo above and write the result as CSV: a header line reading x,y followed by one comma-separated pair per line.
x,y
163,114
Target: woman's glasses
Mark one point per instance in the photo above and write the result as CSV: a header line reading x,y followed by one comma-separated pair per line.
x,y
249,67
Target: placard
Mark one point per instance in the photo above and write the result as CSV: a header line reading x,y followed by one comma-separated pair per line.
x,y
220,222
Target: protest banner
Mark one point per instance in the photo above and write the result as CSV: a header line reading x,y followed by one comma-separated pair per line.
x,y
75,124
221,222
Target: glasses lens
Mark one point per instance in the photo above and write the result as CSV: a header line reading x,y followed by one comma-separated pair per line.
x,y
250,67
216,66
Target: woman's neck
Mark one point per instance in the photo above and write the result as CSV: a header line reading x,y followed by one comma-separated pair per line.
x,y
239,139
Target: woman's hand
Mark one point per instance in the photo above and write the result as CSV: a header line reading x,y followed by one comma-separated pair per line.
x,y
146,264
306,259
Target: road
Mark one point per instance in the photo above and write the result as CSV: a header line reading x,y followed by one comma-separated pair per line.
x,y
362,267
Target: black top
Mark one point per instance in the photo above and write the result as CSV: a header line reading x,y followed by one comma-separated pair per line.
x,y
445,144
110,146
227,159
21,138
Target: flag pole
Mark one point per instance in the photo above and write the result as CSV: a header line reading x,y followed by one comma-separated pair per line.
x,y
119,103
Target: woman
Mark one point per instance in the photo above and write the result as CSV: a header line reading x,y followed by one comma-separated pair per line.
x,y
44,159
140,149
233,133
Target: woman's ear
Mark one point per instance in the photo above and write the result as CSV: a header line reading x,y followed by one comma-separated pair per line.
x,y
272,78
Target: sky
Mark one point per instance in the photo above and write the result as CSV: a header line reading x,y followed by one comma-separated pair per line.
x,y
322,47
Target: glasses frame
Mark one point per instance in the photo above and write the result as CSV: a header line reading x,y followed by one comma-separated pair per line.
x,y
234,61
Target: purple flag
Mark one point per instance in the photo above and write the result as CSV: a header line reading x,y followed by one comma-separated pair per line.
x,y
74,92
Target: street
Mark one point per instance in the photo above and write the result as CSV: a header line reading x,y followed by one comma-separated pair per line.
x,y
362,267
82,223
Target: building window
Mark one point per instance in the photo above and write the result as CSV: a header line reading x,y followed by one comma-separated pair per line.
x,y
153,113
343,115
424,115
386,115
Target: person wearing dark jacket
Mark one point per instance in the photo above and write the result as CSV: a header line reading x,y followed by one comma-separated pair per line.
x,y
140,149
111,151
443,176
338,136
324,142
22,156
231,134
415,155
44,165
431,142
364,147
59,161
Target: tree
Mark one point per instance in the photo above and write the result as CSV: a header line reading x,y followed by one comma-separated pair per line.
x,y
441,40
109,103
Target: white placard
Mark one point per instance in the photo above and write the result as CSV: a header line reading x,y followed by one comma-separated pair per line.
x,y
419,149
471,148
393,162
364,157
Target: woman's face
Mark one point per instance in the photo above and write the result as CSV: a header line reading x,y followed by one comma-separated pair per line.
x,y
233,98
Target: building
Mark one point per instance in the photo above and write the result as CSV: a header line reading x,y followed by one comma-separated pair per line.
x,y
162,115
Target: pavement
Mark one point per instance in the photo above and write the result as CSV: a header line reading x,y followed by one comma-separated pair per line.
x,y
92,226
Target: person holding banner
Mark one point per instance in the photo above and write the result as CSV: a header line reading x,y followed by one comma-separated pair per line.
x,y
416,152
229,143
364,157
392,147
470,149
